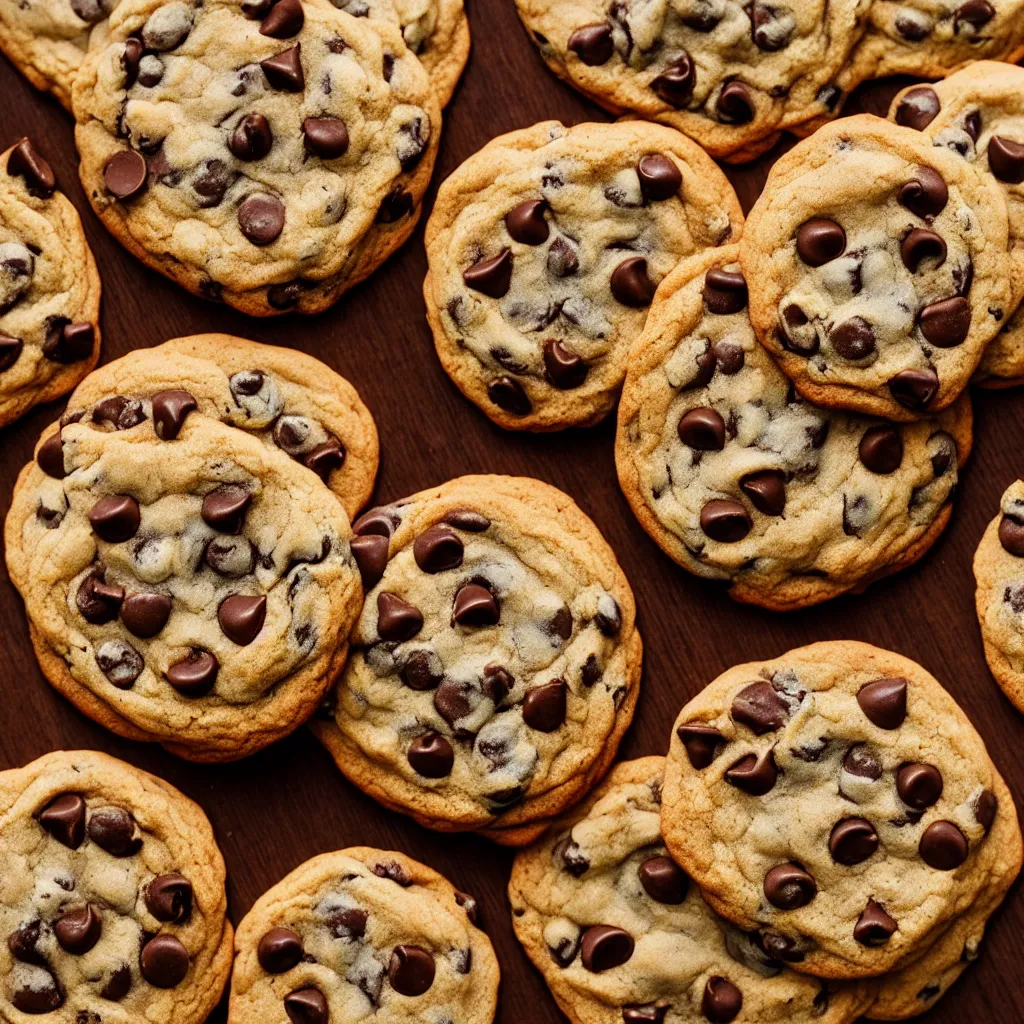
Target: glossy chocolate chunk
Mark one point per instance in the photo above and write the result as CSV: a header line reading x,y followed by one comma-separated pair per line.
x,y
564,369
438,549
881,449
371,555
703,430
397,620
10,351
97,601
325,137
919,245
736,104
325,458
26,163
1011,536
722,1000
170,409
725,521
118,985
411,970
874,927
50,456
284,20
701,743
164,961
492,276
985,807
113,830
115,518
946,323
508,394
660,178
476,606
759,707
145,615
125,174
431,756
943,846
284,70
79,929
169,898
664,880
789,887
884,702
725,292
853,339
593,44
918,108
675,85
853,841
755,774
241,617
631,284
544,706
526,222
42,995
603,947
766,491
819,241
307,1006
64,819
919,785
926,194
225,506
252,137
68,342
914,389
261,218
1006,159
279,950
195,675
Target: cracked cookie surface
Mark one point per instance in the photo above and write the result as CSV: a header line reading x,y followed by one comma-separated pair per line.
x,y
49,287
545,249
878,268
837,800
112,902
362,934
739,479
496,662
268,156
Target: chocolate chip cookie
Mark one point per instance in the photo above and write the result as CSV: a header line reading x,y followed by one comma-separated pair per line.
x,y
291,401
739,479
49,287
185,581
878,267
112,898
621,934
496,662
545,250
978,113
837,800
268,155
730,74
362,934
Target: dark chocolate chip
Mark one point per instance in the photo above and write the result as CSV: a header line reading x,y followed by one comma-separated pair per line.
x,y
476,606
395,206
397,620
660,178
170,408
664,880
225,506
766,490
760,708
881,449
943,846
195,675
976,13
41,995
985,807
68,342
10,351
508,394
853,339
788,887
1011,536
169,898
125,174
22,944
50,456
113,829
1006,159
884,702
307,1006
947,322
252,138
918,108
144,615
926,194
874,927
261,218
735,104
631,284
371,555
593,44
853,841
118,985
284,70
819,241
26,163
919,245
98,601
64,819
79,929
411,970
491,276
914,389
564,369
241,617
725,292
725,521
675,85
115,518
279,950
526,223
325,137
438,549
544,706
722,1000
919,785
701,743
604,947
755,774
284,20
325,458
702,429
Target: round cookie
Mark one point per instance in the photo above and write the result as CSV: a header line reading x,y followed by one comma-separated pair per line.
x,y
291,401
268,156
978,113
730,74
49,287
496,663
363,933
112,903
545,249
184,582
739,479
838,801
878,267
622,936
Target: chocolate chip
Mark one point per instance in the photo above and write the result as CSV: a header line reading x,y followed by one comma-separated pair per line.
x,y
252,137
881,449
1011,536
164,961
604,947
225,506
396,205
144,615
1006,159
79,929
98,601
118,985
725,521
169,898
722,1000
874,927
261,218
431,755
22,944
348,923
526,223
702,429
211,183
819,241
789,887
64,819
371,555
125,174
976,13
926,194
491,276
544,706
884,702
675,85
454,700
284,70
113,830
241,617
279,950
919,785
195,675
943,846
120,412
946,323
411,970
68,342
755,774
593,44
664,880
397,620
26,163
985,807
284,20
918,108
919,245
508,394
50,456
476,606
307,1006
660,178
10,351
853,339
853,841
609,616
562,260
115,518
231,557
725,292
393,871
766,491
41,995
701,743
735,104
564,369
326,137
630,283
438,549
760,708
170,408
325,458
914,389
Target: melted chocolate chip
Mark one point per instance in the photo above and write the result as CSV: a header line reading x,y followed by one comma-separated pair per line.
x,y
943,846
914,389
115,518
169,898
25,162
881,449
125,174
675,85
64,819
918,108
526,223
755,774
725,292
113,830
325,137
926,194
853,841
630,283
195,675
371,555
593,44
722,1000
766,491
170,409
760,708
438,549
920,245
701,743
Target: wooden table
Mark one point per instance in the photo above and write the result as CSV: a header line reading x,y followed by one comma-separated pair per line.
x,y
275,810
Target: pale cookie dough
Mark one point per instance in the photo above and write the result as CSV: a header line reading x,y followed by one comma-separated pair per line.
x,y
837,800
878,268
978,113
184,582
112,903
730,74
496,663
47,40
49,287
545,249
268,156
362,935
739,479
622,936
290,400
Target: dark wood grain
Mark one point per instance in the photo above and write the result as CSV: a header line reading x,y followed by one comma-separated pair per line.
x,y
281,807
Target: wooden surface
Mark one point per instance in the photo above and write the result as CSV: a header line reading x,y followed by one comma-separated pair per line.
x,y
275,810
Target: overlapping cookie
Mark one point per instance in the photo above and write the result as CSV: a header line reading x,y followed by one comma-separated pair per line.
x,y
187,581
49,287
362,934
271,156
739,479
496,662
545,250
839,802
729,74
978,113
878,268
112,902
